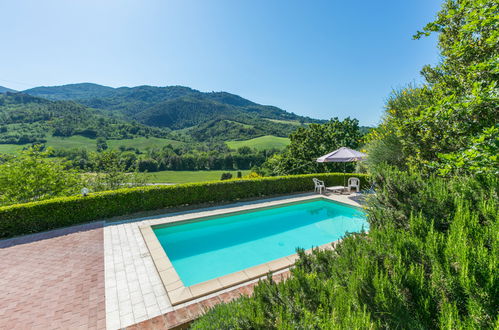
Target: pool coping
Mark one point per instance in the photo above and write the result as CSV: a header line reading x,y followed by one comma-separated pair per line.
x,y
175,289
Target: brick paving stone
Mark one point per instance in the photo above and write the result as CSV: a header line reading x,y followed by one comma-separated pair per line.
x,y
190,312
53,280
211,302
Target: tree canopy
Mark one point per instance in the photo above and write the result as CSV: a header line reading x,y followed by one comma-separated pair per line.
x,y
309,143
456,110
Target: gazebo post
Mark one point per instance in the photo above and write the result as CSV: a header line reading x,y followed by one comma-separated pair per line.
x,y
344,173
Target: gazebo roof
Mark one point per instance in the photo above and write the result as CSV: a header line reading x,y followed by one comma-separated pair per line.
x,y
342,155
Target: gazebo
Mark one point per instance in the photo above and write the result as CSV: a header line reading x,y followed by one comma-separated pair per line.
x,y
342,155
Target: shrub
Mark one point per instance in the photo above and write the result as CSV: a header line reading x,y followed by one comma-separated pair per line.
x,y
147,165
410,271
226,176
33,176
43,215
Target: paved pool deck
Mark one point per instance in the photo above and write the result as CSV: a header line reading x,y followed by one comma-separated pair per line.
x,y
101,275
134,288
53,280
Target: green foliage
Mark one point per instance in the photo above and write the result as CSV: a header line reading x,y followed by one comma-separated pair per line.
x,y
185,176
29,119
37,175
70,92
261,143
114,172
205,116
101,144
308,144
482,156
43,215
226,176
429,264
32,176
5,89
169,157
437,122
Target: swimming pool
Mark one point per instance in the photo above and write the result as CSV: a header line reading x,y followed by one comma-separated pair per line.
x,y
208,248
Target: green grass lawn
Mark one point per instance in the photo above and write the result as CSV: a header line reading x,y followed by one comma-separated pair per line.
x,y
187,176
76,141
291,122
142,143
82,142
11,148
261,143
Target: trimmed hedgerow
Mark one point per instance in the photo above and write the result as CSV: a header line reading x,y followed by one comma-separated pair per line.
x,y
34,217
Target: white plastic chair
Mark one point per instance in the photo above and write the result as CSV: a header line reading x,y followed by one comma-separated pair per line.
x,y
353,183
319,185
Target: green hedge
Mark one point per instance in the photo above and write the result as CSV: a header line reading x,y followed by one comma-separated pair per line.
x,y
34,217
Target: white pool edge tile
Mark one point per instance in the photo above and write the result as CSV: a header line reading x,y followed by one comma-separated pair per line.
x,y
130,270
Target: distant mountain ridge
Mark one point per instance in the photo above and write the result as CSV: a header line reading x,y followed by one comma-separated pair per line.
x,y
132,100
173,112
179,107
5,90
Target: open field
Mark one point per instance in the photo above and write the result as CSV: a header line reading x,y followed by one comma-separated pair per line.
x,y
82,142
291,122
11,148
142,143
187,176
71,142
261,143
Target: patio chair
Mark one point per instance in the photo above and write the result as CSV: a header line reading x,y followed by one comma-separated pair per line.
x,y
319,185
353,182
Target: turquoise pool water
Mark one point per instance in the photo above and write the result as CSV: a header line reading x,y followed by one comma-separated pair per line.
x,y
210,248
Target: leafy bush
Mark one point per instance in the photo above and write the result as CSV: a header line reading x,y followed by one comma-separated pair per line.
x,y
43,215
446,125
226,176
311,142
36,175
482,156
32,176
429,264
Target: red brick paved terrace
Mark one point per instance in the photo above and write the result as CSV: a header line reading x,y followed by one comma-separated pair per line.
x,y
99,275
53,280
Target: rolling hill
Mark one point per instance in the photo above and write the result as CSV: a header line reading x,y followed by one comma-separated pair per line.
x,y
5,90
30,119
261,143
203,116
62,116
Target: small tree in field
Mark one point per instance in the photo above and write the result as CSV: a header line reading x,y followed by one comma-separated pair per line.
x,y
226,176
33,176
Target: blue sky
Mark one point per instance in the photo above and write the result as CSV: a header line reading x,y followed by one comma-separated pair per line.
x,y
316,58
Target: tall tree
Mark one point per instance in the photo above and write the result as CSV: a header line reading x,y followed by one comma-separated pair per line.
x,y
32,176
307,144
460,99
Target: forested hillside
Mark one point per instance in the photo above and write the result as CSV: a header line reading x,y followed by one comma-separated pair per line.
x,y
5,89
147,102
194,115
29,119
